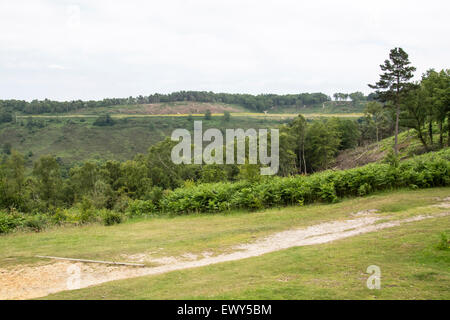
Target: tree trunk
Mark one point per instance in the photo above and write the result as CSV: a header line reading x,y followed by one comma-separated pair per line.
x,y
377,133
448,126
397,116
441,134
303,154
430,132
422,139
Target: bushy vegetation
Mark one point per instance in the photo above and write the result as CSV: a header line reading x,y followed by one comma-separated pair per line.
x,y
97,202
444,243
430,170
104,120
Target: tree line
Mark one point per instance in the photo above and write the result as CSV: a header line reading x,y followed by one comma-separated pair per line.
x,y
258,103
417,105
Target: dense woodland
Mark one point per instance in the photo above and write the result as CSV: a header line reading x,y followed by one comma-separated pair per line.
x,y
151,183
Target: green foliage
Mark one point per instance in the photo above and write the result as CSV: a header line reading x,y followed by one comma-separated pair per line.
x,y
48,177
87,213
429,170
321,144
104,120
7,148
59,216
444,243
35,222
208,115
9,222
139,208
392,159
5,116
213,173
110,218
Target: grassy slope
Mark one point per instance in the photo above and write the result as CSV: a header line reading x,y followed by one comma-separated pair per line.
x,y
77,139
217,234
411,268
73,138
409,145
174,108
330,107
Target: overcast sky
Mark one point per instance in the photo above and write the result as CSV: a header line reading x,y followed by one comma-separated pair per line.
x,y
91,49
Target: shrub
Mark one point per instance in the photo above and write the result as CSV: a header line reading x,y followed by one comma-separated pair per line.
x,y
110,218
444,243
9,222
138,208
35,222
104,120
59,217
429,170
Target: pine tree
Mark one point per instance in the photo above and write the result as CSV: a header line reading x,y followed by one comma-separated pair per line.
x,y
394,83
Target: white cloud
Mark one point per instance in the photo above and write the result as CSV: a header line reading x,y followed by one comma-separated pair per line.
x,y
104,48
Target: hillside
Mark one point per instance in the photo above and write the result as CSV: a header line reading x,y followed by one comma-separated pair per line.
x,y
163,108
73,137
409,145
76,138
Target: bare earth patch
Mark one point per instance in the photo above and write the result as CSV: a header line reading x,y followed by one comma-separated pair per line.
x,y
179,108
37,281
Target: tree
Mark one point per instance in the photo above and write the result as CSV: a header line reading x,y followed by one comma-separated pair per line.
x,y
213,173
12,182
7,148
394,83
322,143
374,110
436,88
348,132
415,115
48,176
298,129
208,115
227,116
6,117
104,120
356,97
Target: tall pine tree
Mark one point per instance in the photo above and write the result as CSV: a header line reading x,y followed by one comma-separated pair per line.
x,y
394,83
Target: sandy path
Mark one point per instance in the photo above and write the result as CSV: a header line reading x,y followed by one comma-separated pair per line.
x,y
38,281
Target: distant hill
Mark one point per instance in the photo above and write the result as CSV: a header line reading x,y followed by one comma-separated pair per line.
x,y
78,139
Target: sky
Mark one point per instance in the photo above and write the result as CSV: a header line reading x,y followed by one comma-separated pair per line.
x,y
93,49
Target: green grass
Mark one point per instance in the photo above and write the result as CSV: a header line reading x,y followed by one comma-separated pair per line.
x,y
174,236
329,107
411,268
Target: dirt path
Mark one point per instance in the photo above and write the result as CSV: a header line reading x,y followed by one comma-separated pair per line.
x,y
38,281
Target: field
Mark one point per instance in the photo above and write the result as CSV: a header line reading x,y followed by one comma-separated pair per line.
x,y
412,267
197,115
199,108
